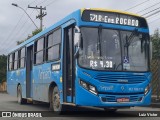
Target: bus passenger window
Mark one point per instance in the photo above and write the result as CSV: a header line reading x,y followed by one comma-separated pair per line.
x,y
15,60
10,62
22,58
53,45
39,50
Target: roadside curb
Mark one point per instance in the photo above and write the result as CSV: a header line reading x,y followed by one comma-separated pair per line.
x,y
5,92
155,105
155,102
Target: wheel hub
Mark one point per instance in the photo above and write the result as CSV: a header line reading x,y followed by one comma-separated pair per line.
x,y
56,102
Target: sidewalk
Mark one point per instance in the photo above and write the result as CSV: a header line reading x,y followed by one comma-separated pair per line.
x,y
5,92
155,102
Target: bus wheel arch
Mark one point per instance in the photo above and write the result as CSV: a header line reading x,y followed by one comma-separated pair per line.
x,y
17,88
51,86
50,91
20,99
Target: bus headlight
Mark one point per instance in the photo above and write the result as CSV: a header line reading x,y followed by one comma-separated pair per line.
x,y
92,89
83,84
88,87
147,89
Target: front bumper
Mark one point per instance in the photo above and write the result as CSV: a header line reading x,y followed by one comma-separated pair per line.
x,y
86,98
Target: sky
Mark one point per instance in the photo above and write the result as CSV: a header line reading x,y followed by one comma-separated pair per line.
x,y
15,25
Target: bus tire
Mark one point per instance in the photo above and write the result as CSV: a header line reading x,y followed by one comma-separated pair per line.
x,y
55,100
19,96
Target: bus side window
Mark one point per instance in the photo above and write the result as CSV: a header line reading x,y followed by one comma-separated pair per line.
x,y
53,45
39,51
15,60
22,54
13,55
10,62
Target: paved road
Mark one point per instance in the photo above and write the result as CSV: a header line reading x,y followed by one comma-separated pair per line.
x,y
9,103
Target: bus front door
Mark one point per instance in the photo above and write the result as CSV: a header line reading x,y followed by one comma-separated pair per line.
x,y
68,66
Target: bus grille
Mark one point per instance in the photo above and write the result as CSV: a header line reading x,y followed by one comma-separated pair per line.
x,y
113,98
121,78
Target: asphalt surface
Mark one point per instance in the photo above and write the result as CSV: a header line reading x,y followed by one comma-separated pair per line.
x,y
9,103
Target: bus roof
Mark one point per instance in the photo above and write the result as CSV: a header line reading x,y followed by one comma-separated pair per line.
x,y
73,15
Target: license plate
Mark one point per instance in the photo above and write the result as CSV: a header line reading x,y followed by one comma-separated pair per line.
x,y
122,99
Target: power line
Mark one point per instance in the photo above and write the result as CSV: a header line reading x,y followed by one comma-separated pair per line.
x,y
137,5
148,7
13,30
38,4
24,24
152,14
20,29
41,15
150,11
16,26
42,2
28,29
154,20
152,26
20,20
19,24
32,2
11,42
25,13
50,3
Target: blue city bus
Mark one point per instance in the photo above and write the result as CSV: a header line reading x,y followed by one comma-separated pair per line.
x,y
92,57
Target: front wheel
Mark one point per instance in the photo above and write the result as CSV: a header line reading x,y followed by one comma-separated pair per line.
x,y
56,105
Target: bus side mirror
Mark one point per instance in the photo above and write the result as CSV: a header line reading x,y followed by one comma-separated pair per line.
x,y
77,41
77,37
151,50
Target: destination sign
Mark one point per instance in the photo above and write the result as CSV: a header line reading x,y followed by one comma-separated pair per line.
x,y
113,18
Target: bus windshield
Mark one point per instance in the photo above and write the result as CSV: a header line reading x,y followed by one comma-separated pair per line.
x,y
114,50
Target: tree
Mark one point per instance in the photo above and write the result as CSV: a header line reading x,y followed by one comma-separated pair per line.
x,y
3,65
156,44
19,42
35,32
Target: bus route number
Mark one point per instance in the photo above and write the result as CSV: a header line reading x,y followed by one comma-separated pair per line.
x,y
102,64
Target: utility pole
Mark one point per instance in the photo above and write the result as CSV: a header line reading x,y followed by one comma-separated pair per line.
x,y
41,15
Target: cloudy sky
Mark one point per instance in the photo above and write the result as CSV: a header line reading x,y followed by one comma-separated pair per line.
x,y
16,26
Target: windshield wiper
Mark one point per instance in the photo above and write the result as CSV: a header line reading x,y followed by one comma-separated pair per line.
x,y
99,39
129,40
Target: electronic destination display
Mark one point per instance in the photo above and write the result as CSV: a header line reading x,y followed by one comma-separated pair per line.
x,y
113,18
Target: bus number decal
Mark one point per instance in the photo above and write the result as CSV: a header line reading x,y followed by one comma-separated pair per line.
x,y
55,67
